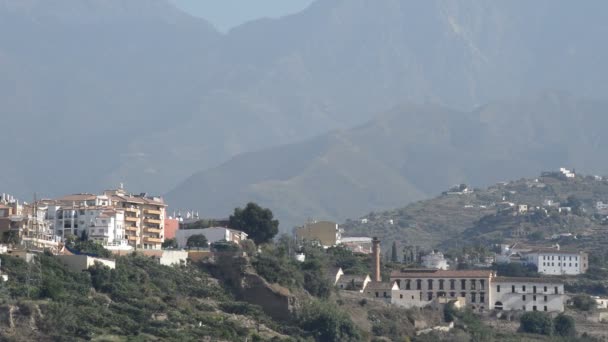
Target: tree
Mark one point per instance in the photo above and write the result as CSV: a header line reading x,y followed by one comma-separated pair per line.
x,y
564,326
197,241
257,222
536,322
170,243
394,252
584,302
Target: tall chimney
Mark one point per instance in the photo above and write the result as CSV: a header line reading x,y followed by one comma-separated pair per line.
x,y
376,261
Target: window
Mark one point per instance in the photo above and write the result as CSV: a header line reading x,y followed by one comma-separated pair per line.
x,y
523,308
452,294
441,281
482,297
545,308
553,257
497,288
473,297
430,284
533,289
463,294
513,288
556,290
384,294
430,295
523,288
534,298
559,257
482,283
418,284
552,264
463,284
545,289
377,294
473,284
534,308
575,265
559,264
570,265
545,298
407,284
401,296
81,212
452,284
570,258
523,297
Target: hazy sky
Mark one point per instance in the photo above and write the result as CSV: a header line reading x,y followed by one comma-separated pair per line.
x,y
225,14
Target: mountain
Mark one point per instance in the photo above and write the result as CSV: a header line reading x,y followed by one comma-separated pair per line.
x,y
100,92
406,154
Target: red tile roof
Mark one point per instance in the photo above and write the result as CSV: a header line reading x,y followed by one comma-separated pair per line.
x,y
417,273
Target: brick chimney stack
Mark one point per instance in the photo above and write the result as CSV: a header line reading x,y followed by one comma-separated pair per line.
x,y
376,260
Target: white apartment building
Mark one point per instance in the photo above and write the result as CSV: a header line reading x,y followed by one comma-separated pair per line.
x,y
526,294
553,261
102,224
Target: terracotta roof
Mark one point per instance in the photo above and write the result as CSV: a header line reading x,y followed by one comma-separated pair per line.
x,y
380,286
526,280
77,197
431,273
552,251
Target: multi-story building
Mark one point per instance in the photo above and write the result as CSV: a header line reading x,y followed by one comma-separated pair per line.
x,y
554,261
326,233
479,290
115,218
428,285
144,218
527,294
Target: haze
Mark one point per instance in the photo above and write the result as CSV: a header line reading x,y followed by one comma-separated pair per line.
x,y
344,107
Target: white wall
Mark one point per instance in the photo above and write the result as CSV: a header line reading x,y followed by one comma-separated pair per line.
x,y
515,300
556,264
170,258
212,234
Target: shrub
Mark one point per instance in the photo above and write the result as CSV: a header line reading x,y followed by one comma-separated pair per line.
x,y
564,326
536,323
584,302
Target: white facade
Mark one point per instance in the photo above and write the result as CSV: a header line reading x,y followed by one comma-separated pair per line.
x,y
558,262
602,303
102,224
526,294
213,235
435,261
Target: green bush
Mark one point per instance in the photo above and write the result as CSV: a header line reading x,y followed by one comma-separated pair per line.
x,y
584,302
564,326
326,323
536,322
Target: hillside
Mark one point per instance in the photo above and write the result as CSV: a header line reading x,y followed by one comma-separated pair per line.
x,y
409,153
150,95
486,216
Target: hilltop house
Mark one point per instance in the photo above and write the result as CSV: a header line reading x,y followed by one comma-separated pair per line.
x,y
353,282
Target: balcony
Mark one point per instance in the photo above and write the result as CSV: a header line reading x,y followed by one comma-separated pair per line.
x,y
152,221
132,238
152,239
132,229
131,210
153,212
131,219
153,230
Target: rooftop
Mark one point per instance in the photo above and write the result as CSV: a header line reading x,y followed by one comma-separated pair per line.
x,y
432,273
527,280
380,286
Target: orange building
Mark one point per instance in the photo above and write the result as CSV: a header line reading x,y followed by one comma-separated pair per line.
x,y
171,227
